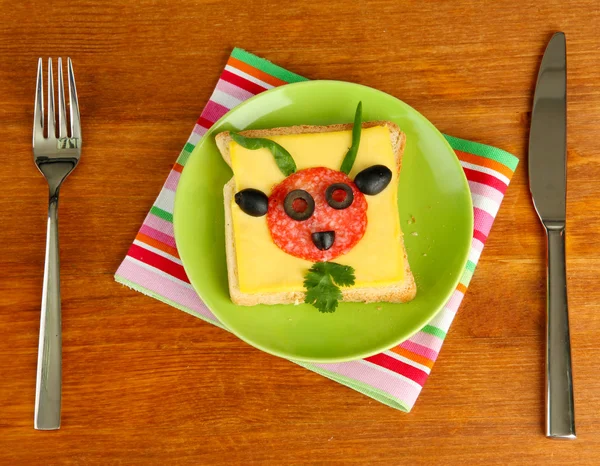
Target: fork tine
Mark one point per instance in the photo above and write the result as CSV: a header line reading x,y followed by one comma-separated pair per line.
x,y
62,109
74,103
38,111
51,122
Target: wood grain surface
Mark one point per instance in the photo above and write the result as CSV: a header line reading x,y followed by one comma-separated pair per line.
x,y
147,384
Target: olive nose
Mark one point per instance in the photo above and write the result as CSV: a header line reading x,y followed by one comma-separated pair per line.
x,y
323,240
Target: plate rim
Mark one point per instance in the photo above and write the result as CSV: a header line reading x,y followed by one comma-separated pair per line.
x,y
421,322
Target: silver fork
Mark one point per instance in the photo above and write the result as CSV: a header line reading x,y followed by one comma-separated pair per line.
x,y
56,157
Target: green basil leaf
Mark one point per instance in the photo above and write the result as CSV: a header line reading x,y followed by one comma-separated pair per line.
x,y
282,157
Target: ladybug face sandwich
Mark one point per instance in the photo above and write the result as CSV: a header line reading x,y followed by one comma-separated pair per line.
x,y
311,215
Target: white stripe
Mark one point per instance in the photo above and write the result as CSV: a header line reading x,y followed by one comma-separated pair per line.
x,y
157,251
474,255
443,320
489,171
166,200
410,362
387,371
194,138
248,77
485,203
224,99
160,272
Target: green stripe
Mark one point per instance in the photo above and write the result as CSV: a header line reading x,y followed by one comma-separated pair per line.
x,y
483,150
189,147
161,213
267,66
470,266
184,155
434,331
361,387
466,277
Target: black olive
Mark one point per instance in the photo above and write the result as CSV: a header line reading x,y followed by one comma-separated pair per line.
x,y
373,180
323,240
348,198
299,194
252,202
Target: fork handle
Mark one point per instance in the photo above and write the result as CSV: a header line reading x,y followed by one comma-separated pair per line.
x,y
48,384
560,410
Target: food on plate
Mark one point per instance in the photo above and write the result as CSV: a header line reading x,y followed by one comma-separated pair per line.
x,y
311,215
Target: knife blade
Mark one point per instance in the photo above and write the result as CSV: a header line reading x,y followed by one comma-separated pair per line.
x,y
548,135
548,187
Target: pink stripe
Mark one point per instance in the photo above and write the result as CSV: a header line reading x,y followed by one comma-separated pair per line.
x,y
454,301
485,190
171,290
158,235
477,245
387,381
201,130
172,180
483,221
426,339
213,111
419,349
233,90
159,224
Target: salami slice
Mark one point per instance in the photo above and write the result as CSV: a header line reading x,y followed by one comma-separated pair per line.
x,y
295,236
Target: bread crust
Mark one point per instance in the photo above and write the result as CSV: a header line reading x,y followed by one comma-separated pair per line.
x,y
400,292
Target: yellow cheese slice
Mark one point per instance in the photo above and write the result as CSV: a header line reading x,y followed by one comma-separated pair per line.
x,y
377,259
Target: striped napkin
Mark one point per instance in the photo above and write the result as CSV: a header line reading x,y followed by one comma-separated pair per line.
x,y
394,377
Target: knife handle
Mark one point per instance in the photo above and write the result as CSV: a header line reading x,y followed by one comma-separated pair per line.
x,y
560,409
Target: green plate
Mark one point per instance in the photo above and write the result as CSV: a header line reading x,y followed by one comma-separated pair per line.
x,y
433,190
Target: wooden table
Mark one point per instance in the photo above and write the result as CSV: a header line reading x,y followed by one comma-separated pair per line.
x,y
144,383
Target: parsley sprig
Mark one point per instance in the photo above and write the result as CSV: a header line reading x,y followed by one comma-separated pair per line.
x,y
322,283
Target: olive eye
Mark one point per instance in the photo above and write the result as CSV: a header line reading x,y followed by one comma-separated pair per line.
x,y
299,205
252,201
339,196
373,180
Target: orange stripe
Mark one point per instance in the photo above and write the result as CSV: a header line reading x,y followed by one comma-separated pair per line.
x,y
462,288
412,356
246,68
485,162
157,244
178,168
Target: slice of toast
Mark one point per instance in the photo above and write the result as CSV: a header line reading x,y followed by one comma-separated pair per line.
x,y
401,292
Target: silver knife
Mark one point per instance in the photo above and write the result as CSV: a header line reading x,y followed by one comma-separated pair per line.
x,y
548,186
